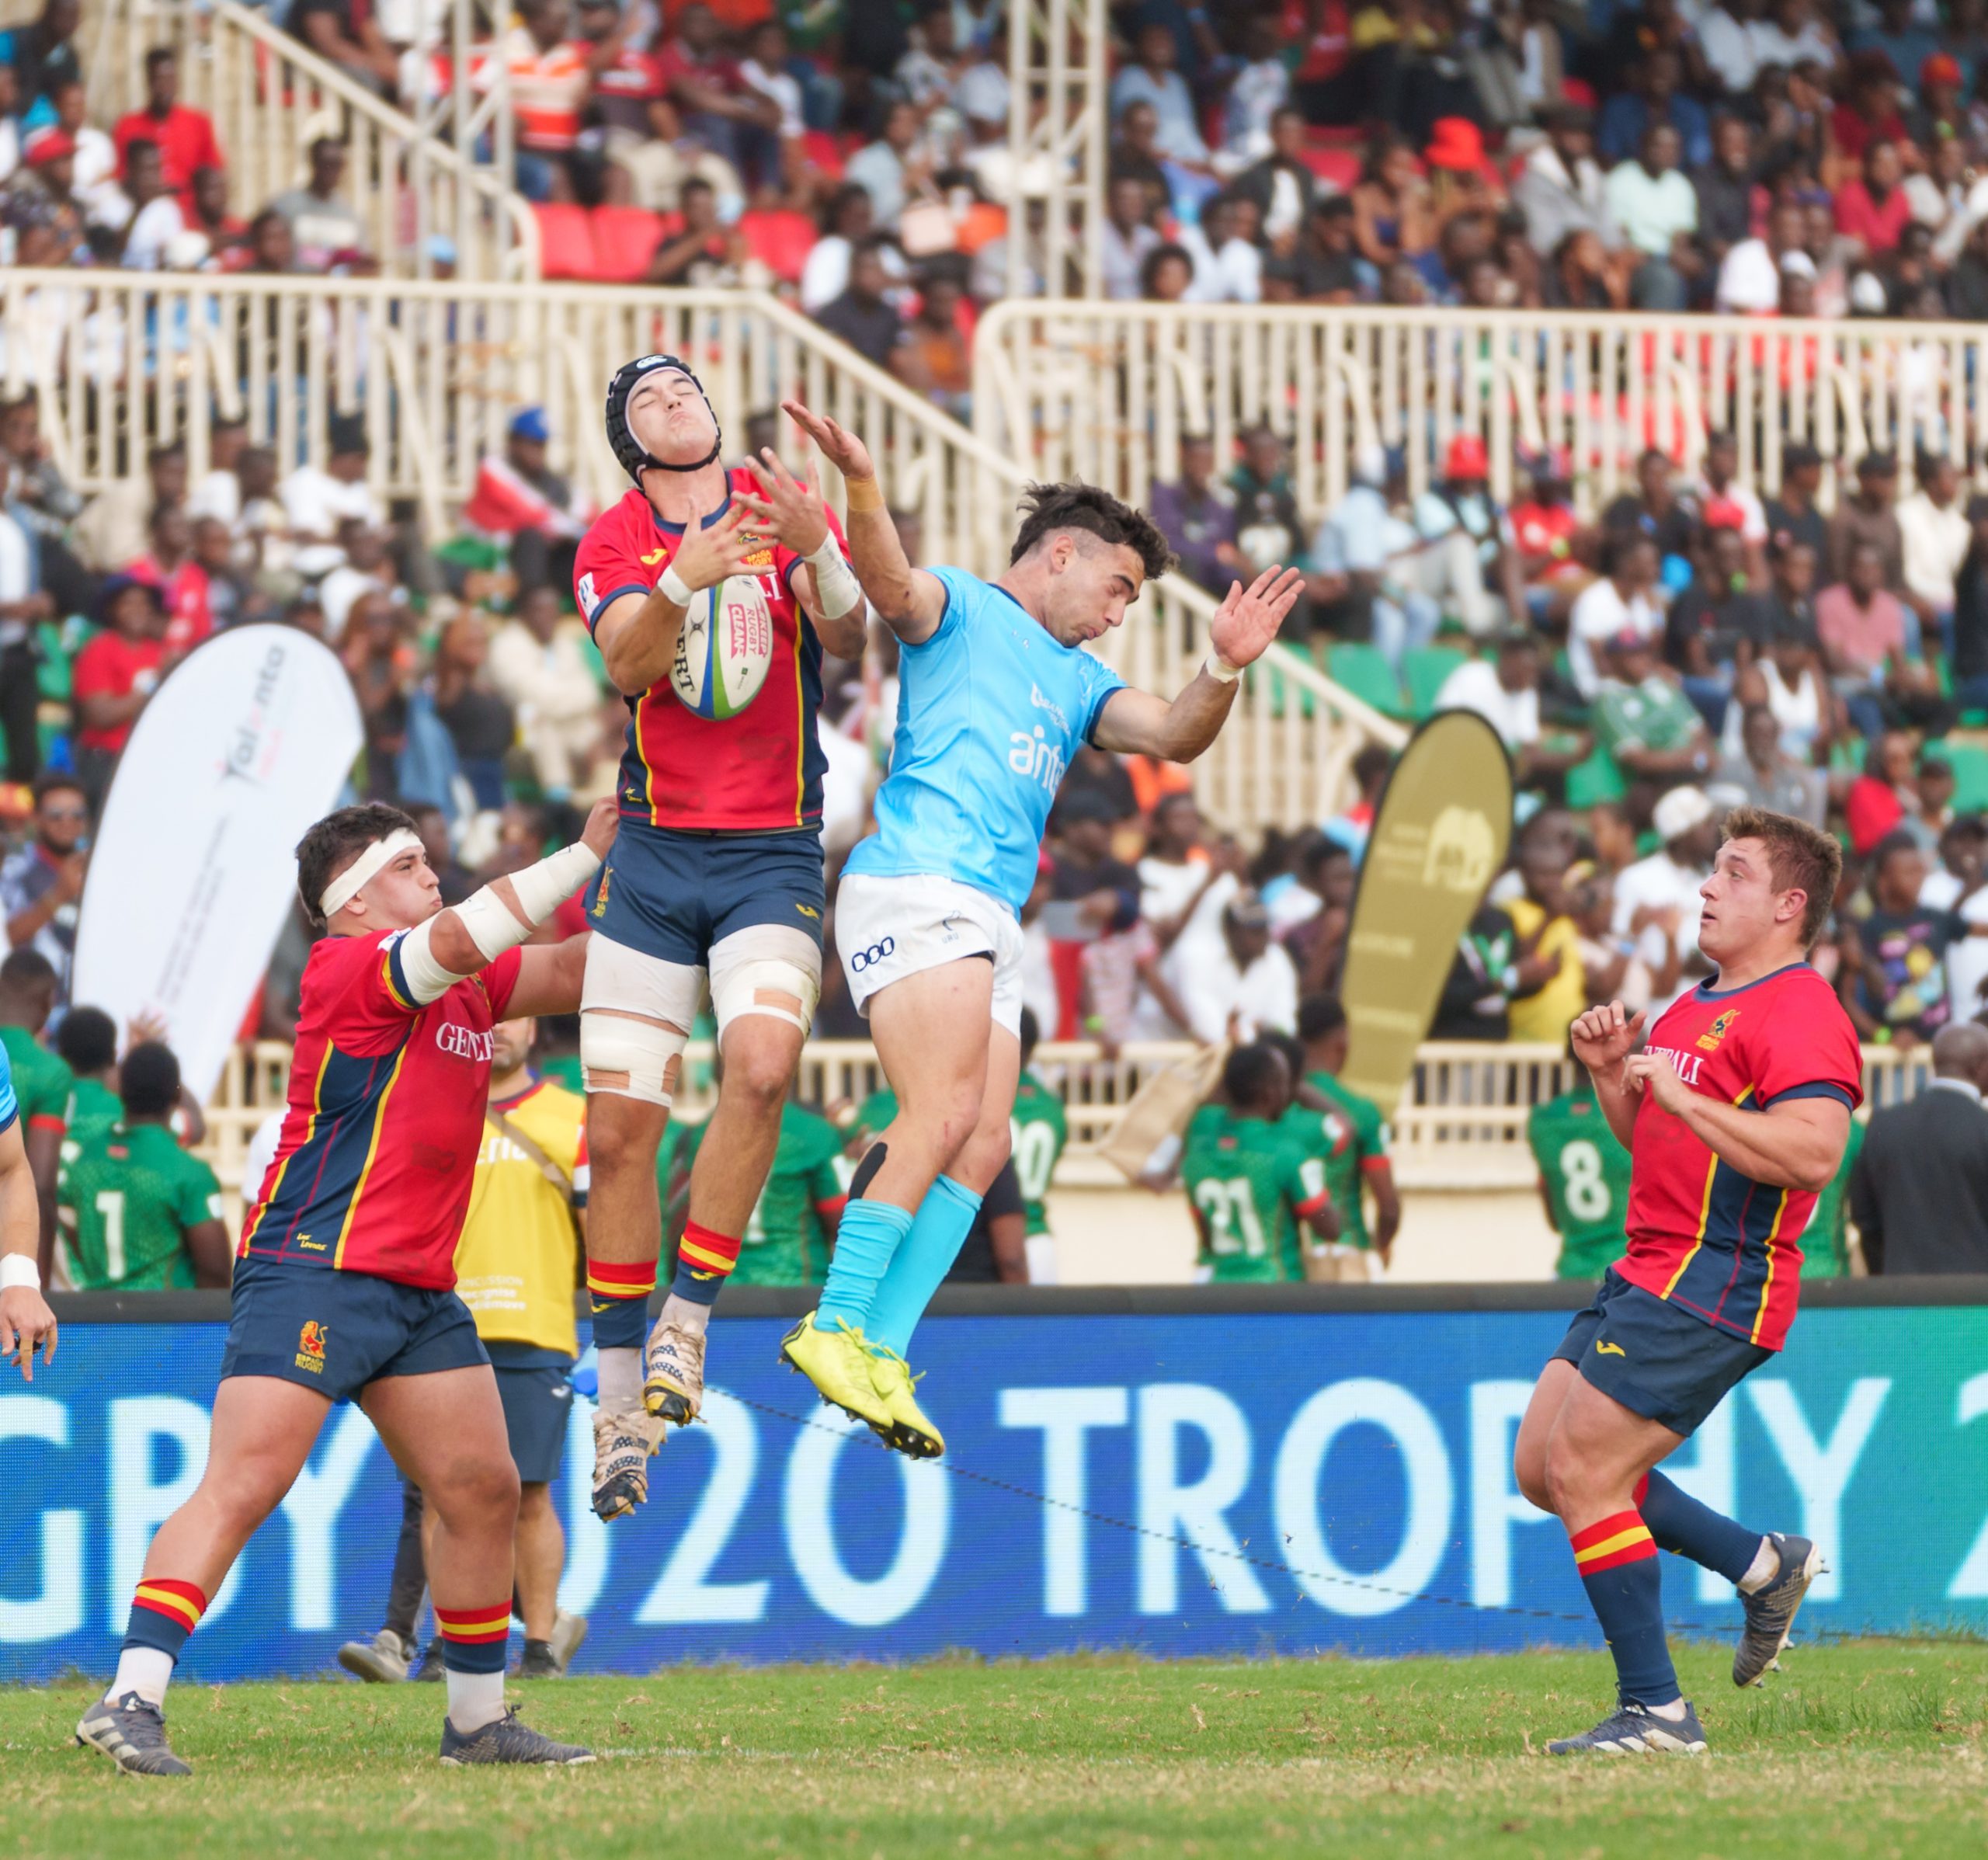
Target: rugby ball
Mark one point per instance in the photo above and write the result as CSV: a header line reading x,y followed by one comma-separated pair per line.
x,y
725,648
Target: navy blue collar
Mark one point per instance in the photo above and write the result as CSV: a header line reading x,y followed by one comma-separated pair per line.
x,y
703,523
1705,992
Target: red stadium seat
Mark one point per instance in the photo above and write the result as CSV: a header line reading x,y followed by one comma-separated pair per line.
x,y
624,240
780,239
565,242
1337,166
822,152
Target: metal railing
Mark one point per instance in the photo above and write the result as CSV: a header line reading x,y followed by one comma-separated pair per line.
x,y
122,362
270,97
1106,391
1461,1124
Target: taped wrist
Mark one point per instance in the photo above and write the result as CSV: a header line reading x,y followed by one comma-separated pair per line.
x,y
19,1269
836,590
672,586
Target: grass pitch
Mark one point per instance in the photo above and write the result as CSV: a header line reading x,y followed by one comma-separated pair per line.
x,y
1860,1748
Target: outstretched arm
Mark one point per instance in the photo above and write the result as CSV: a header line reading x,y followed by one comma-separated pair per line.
x,y
1139,723
792,512
637,634
909,601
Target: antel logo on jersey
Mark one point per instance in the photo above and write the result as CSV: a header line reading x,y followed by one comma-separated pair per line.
x,y
1038,701
464,1042
864,958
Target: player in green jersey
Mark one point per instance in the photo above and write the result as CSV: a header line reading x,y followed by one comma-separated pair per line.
x,y
42,1083
1352,1136
87,1041
1251,1185
1826,1240
793,1224
138,1213
1584,1180
1038,1129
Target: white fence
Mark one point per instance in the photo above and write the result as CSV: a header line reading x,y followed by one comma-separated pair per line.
x,y
1460,1123
1107,391
270,98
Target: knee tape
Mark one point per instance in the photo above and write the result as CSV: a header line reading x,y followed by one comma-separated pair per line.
x,y
629,1057
773,986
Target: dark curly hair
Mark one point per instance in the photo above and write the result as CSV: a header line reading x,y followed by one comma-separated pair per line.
x,y
1048,508
335,841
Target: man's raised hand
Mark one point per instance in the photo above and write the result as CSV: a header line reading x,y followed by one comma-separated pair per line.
x,y
1604,1036
839,446
706,557
1247,619
790,511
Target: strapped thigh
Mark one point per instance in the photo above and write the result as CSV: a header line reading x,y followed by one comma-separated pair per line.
x,y
635,1015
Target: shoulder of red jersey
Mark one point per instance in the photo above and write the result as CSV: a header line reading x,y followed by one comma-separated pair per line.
x,y
622,553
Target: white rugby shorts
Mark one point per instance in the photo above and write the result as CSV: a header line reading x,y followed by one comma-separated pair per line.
x,y
888,928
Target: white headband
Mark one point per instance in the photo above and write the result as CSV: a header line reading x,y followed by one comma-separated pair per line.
x,y
370,864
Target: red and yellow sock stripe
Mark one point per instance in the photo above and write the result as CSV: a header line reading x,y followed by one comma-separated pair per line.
x,y
474,1627
180,1603
1624,1538
708,1251
613,1279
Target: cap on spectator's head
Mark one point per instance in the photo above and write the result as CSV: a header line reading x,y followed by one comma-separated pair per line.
x,y
529,423
1457,143
347,434
1941,67
1799,265
441,249
1246,911
1466,458
1800,457
49,144
1866,294
1678,813
1724,514
1549,465
1878,464
114,586
1567,117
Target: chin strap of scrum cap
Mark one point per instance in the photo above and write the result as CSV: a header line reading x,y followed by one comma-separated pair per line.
x,y
634,457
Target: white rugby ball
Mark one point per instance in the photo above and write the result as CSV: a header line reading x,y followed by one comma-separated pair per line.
x,y
725,648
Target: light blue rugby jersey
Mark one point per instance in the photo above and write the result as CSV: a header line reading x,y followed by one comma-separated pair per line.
x,y
990,711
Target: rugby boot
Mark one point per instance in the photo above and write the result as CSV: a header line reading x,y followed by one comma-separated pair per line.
x,y
836,1360
912,1432
131,1731
673,1365
1635,1730
382,1660
623,1440
505,1739
567,1632
1770,1611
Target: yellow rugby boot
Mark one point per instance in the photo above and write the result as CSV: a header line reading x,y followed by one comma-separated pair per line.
x,y
912,1432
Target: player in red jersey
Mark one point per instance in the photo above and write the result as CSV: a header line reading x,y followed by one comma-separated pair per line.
x,y
716,882
1735,1113
343,1281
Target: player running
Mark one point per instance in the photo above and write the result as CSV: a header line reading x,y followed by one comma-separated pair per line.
x,y
1349,1132
996,695
1253,1183
344,1275
716,882
1734,1115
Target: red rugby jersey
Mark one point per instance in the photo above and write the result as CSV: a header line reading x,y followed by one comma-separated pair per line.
x,y
756,773
373,1171
1727,1248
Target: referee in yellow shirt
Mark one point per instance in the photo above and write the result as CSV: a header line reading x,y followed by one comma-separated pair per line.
x,y
517,1268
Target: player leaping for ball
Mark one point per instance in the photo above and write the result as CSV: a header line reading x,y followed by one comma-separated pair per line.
x,y
1734,1115
344,1277
995,696
717,876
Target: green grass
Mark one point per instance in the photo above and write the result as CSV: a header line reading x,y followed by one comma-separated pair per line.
x,y
1860,1748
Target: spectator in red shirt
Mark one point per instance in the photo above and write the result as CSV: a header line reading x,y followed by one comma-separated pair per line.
x,y
186,136
1872,210
181,581
115,677
1870,113
718,109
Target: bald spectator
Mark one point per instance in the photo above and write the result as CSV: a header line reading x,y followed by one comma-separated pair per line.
x,y
1919,1192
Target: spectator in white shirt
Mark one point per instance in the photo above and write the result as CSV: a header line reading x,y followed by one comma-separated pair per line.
x,y
1246,985
219,492
1229,263
1623,600
1504,691
1724,35
849,219
1750,278
1153,80
1656,898
538,666
1657,209
1935,531
316,500
1127,239
886,168
1791,35
156,217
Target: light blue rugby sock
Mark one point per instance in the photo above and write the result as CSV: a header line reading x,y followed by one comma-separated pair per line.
x,y
944,1218
869,1236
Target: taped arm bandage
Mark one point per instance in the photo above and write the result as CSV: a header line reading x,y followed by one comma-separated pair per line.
x,y
836,590
493,925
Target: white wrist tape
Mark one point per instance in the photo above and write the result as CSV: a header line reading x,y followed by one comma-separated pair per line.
x,y
836,590
540,889
19,1269
672,586
367,867
1217,667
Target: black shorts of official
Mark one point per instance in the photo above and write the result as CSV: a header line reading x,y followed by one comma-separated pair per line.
x,y
336,1332
1654,1357
673,895
538,1400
